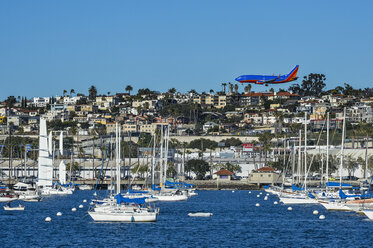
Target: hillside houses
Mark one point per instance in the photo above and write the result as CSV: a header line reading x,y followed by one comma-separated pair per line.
x,y
231,113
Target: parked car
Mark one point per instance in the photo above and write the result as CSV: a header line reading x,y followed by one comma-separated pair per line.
x,y
350,178
234,177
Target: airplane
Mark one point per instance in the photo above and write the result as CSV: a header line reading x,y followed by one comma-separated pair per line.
x,y
262,79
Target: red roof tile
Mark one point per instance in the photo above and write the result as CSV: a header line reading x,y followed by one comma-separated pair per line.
x,y
224,172
266,168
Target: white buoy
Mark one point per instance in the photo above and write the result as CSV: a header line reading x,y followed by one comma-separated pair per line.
x,y
265,198
84,200
257,205
95,194
81,206
267,194
322,217
232,191
290,208
59,214
257,195
275,203
48,219
260,193
315,212
73,209
249,192
92,203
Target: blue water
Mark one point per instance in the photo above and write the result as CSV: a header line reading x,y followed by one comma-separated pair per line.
x,y
236,223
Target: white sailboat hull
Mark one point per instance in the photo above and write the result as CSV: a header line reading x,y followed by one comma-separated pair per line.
x,y
297,200
47,191
368,213
8,199
335,206
119,216
172,197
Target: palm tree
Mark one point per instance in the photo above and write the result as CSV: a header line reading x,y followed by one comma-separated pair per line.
x,y
224,85
266,138
172,91
92,93
129,89
248,88
108,93
72,91
64,92
236,88
211,91
193,91
230,87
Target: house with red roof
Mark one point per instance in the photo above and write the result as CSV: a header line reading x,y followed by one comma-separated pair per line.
x,y
224,174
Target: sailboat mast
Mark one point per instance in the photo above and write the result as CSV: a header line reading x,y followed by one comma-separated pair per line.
x,y
167,133
117,156
342,148
305,151
153,162
161,161
293,164
299,155
366,159
327,147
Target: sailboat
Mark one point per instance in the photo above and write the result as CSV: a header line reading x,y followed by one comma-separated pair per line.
x,y
122,209
300,196
339,204
163,193
45,164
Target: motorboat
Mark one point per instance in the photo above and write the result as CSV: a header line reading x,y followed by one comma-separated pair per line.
x,y
26,192
8,196
20,207
200,214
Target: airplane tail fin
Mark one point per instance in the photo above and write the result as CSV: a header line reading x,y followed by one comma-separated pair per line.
x,y
293,73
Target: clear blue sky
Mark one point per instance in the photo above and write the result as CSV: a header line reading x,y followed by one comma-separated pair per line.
x,y
48,46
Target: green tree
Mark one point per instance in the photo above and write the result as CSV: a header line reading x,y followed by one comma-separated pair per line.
x,y
265,138
224,87
92,93
235,168
129,89
198,166
172,91
10,101
72,91
312,85
202,144
351,164
74,168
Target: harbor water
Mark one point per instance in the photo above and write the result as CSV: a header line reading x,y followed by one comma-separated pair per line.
x,y
236,222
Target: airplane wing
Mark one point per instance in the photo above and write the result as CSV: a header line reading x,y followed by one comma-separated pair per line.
x,y
267,81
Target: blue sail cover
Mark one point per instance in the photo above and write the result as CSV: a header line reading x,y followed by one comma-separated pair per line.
x,y
155,187
336,184
295,188
120,199
311,195
188,185
178,184
344,196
